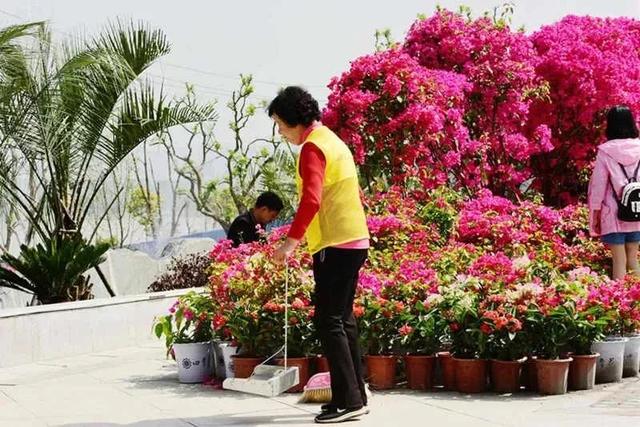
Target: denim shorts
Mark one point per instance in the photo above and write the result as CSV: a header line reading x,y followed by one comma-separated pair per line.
x,y
621,238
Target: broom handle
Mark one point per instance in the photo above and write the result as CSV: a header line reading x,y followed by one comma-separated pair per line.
x,y
286,309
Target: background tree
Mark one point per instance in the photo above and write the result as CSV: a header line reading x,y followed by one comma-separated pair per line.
x,y
590,64
117,226
249,165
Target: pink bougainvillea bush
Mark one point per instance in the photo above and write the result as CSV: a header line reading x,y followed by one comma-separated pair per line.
x,y
499,65
403,121
473,104
590,65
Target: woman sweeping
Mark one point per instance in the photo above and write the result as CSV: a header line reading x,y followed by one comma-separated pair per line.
x,y
331,217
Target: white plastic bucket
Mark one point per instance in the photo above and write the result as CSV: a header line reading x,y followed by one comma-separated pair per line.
x,y
194,361
631,356
611,361
226,351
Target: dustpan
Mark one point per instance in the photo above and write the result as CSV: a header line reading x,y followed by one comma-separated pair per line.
x,y
269,380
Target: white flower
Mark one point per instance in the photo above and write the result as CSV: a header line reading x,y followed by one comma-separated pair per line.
x,y
522,262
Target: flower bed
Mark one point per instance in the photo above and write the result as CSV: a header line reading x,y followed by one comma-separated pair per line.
x,y
483,278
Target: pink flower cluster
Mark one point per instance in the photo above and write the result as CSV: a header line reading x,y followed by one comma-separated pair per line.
x,y
471,103
500,66
403,118
589,64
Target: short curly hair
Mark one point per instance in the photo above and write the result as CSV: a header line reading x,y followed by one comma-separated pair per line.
x,y
295,106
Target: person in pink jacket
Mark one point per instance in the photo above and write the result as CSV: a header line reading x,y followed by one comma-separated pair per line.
x,y
620,151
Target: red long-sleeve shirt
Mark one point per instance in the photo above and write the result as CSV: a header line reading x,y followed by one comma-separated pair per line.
x,y
312,164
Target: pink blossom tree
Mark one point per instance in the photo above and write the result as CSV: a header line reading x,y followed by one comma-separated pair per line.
x,y
404,122
499,65
590,65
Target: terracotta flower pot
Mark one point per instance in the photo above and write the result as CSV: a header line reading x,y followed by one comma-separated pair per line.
x,y
419,369
471,375
322,364
304,371
553,375
529,376
582,371
448,368
381,371
243,366
505,375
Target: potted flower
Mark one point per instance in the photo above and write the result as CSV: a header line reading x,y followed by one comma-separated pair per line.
x,y
630,326
187,333
419,338
224,347
252,330
378,333
249,292
587,323
612,296
549,330
468,333
507,346
300,342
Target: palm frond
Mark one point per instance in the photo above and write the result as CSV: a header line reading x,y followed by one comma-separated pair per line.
x,y
136,43
144,114
14,32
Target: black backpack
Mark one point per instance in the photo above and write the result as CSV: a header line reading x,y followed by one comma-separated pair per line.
x,y
629,202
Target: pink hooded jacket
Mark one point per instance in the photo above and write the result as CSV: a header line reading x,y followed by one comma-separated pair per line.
x,y
607,168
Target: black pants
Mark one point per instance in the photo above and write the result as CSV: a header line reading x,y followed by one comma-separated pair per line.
x,y
336,274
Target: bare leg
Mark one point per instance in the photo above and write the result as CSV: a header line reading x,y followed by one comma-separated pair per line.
x,y
619,261
631,250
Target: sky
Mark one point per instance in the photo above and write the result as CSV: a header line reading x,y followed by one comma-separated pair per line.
x,y
279,42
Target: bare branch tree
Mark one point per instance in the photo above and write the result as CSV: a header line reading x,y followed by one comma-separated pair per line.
x,y
249,166
146,201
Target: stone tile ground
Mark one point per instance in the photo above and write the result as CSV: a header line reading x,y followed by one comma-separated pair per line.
x,y
138,387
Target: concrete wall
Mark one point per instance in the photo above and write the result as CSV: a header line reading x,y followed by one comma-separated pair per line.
x,y
129,272
38,333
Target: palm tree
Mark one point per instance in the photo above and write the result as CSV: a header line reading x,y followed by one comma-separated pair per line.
x,y
72,115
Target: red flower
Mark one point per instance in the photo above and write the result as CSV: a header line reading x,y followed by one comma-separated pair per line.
x,y
501,322
271,306
514,325
491,315
358,311
405,330
218,321
486,328
455,326
297,304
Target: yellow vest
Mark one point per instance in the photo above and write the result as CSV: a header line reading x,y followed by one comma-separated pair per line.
x,y
341,217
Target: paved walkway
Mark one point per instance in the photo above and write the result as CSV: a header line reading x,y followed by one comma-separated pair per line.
x,y
138,387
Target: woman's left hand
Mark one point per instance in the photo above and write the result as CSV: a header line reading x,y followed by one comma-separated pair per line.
x,y
284,250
